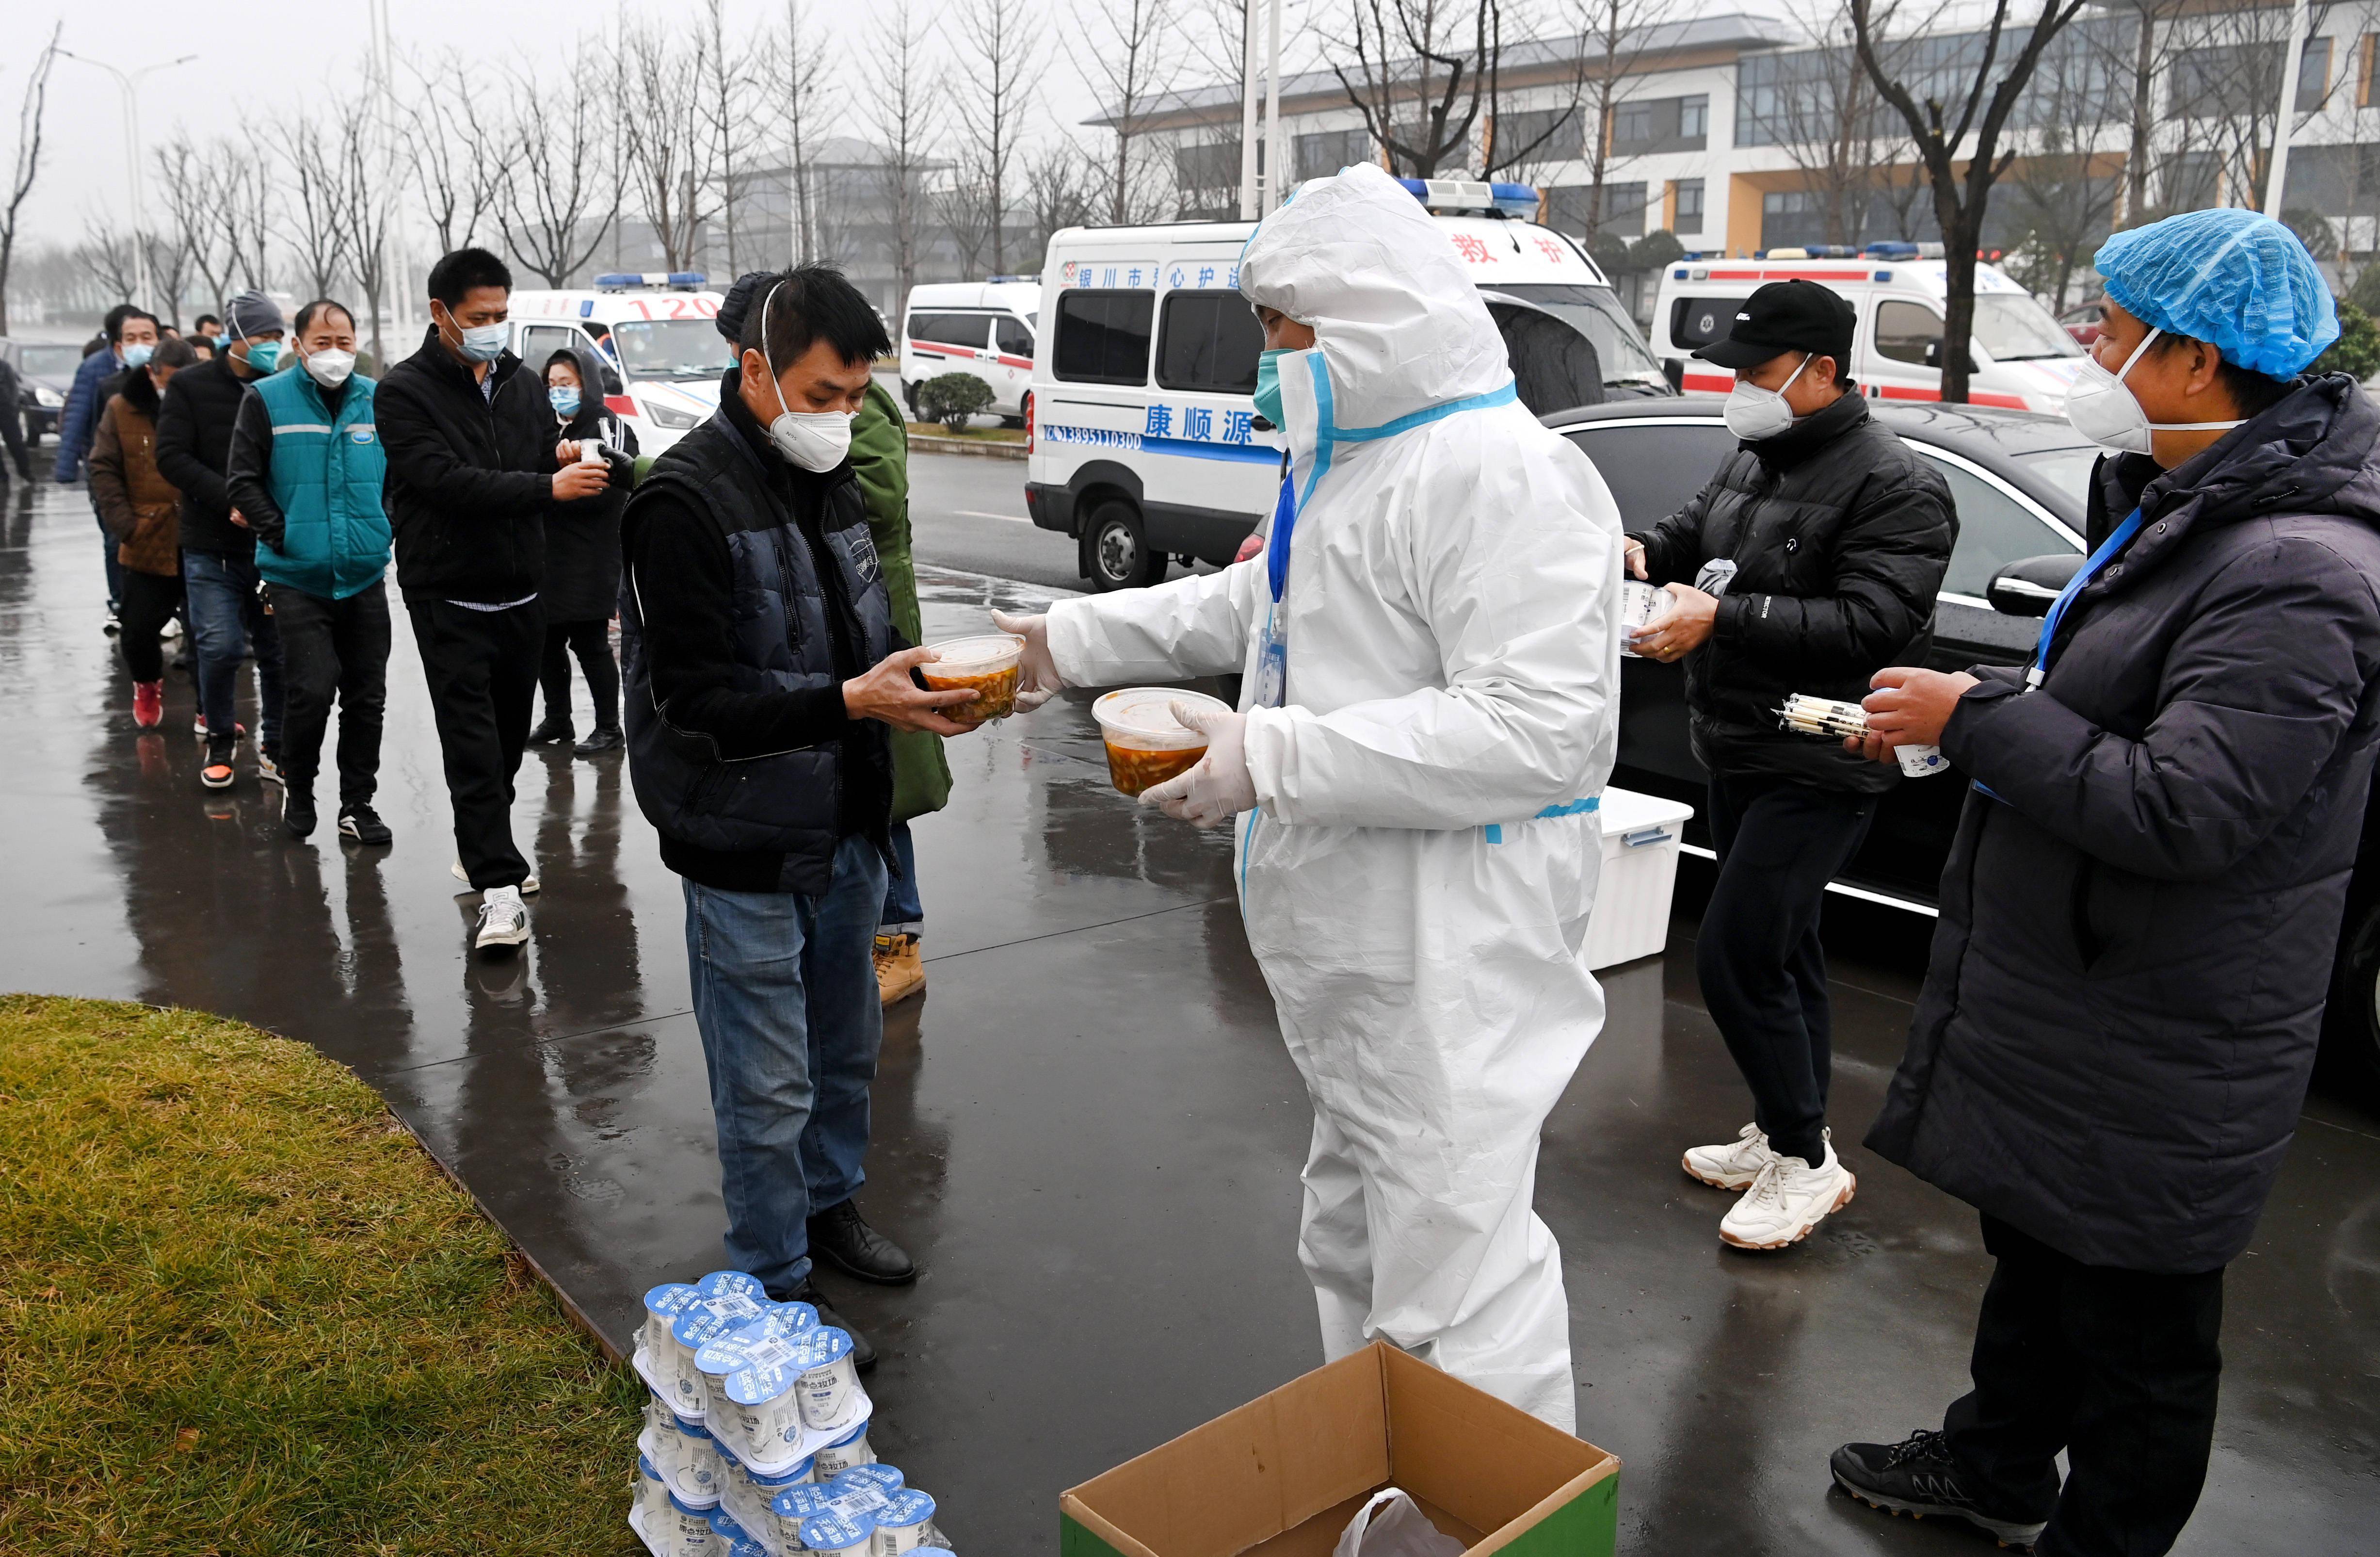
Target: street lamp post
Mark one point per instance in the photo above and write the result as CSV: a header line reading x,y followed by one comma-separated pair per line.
x,y
2286,116
132,157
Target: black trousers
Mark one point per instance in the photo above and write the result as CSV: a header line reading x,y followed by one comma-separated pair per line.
x,y
1763,971
591,641
481,667
150,601
2117,1368
332,647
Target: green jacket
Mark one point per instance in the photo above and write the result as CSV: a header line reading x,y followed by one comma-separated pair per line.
x,y
326,477
880,457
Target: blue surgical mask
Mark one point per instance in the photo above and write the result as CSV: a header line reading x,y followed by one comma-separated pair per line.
x,y
138,354
564,398
1268,395
485,343
264,357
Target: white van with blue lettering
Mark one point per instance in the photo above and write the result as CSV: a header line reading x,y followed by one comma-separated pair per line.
x,y
1144,442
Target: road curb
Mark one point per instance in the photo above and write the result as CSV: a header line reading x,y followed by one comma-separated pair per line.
x,y
980,448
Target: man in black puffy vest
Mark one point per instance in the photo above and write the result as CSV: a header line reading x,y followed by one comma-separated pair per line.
x,y
1809,563
763,677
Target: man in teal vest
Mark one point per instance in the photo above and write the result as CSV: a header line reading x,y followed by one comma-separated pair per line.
x,y
306,466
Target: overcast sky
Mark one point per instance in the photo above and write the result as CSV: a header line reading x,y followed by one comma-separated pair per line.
x,y
255,56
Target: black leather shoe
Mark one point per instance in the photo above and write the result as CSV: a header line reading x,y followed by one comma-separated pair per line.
x,y
605,738
1918,1476
842,1238
550,731
863,1356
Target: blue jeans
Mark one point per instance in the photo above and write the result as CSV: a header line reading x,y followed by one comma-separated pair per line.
x,y
226,614
785,996
905,912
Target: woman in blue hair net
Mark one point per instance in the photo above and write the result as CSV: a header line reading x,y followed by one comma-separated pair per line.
x,y
2139,913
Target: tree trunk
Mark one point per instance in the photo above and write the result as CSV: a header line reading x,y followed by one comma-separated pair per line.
x,y
1959,299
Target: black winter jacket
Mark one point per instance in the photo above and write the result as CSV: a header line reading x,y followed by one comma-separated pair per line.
x,y
582,540
194,425
470,478
1839,535
2126,982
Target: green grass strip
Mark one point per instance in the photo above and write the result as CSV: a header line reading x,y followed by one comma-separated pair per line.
x,y
243,1313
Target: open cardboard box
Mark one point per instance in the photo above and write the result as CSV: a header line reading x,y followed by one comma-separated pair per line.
x,y
1282,1476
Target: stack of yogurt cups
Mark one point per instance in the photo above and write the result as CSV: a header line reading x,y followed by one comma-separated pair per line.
x,y
755,1438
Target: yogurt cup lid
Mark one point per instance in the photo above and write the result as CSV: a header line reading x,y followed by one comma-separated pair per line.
x,y
708,1319
645,1467
682,1506
762,1359
847,1440
800,1316
962,655
835,1531
810,1501
771,1485
819,1348
723,1523
1148,712
879,1477
720,1284
908,1506
691,1429
670,1298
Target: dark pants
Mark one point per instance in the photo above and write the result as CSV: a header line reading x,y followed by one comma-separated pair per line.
x,y
481,667
333,646
904,909
149,602
2117,1368
114,567
226,616
591,641
1763,971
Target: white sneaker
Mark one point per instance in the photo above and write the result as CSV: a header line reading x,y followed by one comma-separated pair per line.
x,y
266,767
1787,1200
1732,1166
503,920
529,887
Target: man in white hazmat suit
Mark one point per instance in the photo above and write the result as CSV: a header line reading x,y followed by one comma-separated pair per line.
x,y
1417,855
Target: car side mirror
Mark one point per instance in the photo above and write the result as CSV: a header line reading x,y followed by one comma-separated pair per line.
x,y
2026,587
1934,352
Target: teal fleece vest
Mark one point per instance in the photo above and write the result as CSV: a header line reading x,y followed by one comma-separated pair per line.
x,y
326,477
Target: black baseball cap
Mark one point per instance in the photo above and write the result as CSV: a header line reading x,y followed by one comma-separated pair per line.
x,y
1787,316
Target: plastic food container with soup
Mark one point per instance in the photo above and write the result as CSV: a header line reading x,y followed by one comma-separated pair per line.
x,y
1145,744
990,666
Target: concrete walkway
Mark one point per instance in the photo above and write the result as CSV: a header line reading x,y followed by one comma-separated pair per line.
x,y
1086,1130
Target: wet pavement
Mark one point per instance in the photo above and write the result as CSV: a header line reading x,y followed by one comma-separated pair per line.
x,y
1086,1130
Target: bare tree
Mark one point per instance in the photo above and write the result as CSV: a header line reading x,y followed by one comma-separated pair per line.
x,y
30,114
239,196
2225,87
728,108
2064,193
560,199
1126,50
167,254
112,255
456,162
1001,49
1820,108
901,115
365,208
309,209
671,145
184,184
801,87
1063,188
1421,70
1613,42
1971,96
961,207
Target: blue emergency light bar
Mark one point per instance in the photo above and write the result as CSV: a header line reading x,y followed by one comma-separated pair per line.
x,y
684,280
1891,251
1513,202
996,280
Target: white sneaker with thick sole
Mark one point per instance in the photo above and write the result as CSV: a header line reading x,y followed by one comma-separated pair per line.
x,y
1731,1165
529,887
503,920
1787,1200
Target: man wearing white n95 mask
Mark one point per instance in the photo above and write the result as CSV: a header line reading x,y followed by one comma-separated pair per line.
x,y
1429,714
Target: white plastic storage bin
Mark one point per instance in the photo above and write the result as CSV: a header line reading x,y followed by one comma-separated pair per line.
x,y
1640,874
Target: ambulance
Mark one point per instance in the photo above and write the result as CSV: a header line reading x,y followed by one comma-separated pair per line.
x,y
980,327
1144,443
657,337
2024,358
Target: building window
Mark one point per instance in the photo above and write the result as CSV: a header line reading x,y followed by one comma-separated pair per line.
x,y
1321,155
2313,75
2363,61
1632,124
1623,210
1660,124
2239,79
1694,119
1688,217
1207,171
1539,134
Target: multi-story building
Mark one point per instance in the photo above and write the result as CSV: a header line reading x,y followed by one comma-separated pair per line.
x,y
1737,133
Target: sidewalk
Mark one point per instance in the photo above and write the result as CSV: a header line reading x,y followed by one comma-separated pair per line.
x,y
1086,1130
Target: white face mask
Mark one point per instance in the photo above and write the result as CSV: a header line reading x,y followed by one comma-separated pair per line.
x,y
480,343
813,440
330,366
2104,411
1754,413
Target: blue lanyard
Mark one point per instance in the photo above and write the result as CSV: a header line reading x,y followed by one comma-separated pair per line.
x,y
2099,559
1284,521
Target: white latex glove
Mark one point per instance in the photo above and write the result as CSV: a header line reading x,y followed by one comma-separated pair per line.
x,y
1036,677
1219,787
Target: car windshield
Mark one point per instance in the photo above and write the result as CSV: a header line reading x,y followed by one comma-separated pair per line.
x,y
1594,313
671,349
2019,330
2067,470
49,362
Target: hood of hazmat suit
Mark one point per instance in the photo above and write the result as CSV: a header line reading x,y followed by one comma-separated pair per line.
x,y
1417,875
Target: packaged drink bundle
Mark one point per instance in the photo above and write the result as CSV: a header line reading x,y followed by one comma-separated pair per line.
x,y
1825,717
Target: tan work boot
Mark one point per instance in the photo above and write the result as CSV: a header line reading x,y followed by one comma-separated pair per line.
x,y
900,967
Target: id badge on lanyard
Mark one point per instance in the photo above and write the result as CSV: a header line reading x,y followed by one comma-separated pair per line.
x,y
1272,659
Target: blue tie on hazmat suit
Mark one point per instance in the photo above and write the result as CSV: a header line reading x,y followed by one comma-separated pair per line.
x,y
1417,877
